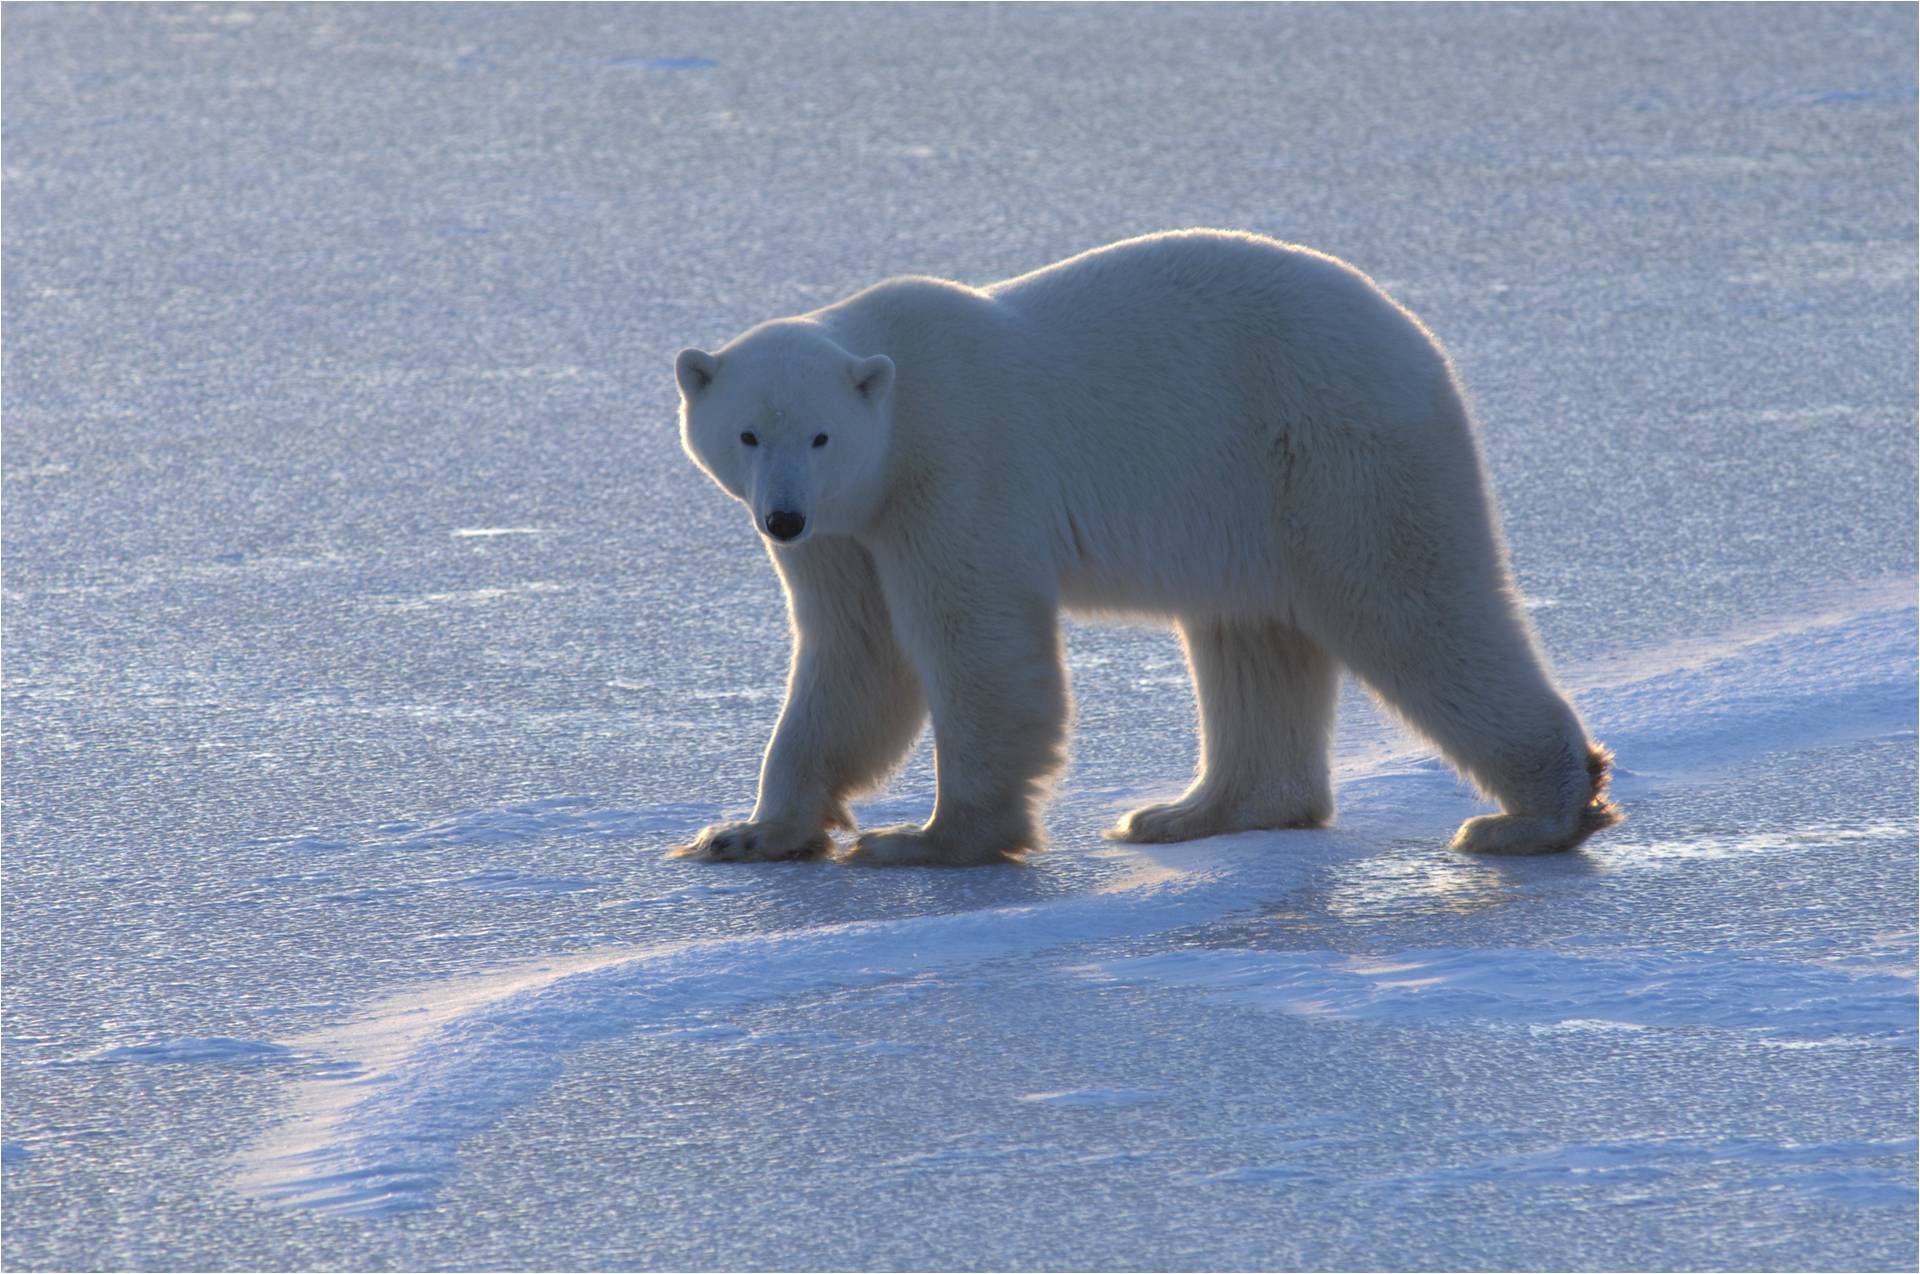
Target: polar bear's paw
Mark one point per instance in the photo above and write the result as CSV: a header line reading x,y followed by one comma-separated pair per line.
x,y
1190,819
1174,821
754,843
1516,834
909,846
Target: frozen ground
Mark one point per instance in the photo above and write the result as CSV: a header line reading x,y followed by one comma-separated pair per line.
x,y
367,639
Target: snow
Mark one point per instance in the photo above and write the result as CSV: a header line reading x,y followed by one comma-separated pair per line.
x,y
367,639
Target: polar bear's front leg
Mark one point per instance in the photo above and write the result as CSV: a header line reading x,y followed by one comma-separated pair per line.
x,y
853,709
996,682
1266,696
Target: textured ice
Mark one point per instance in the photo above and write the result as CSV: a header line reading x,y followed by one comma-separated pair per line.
x,y
367,638
1092,1097
1633,988
216,1049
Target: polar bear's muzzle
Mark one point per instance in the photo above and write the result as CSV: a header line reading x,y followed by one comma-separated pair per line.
x,y
785,524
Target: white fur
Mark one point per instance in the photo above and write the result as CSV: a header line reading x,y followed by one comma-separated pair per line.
x,y
1244,436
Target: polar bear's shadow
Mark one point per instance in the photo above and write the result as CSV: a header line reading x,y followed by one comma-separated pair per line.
x,y
1357,871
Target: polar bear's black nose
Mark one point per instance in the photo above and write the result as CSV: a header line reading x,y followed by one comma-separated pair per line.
x,y
783,524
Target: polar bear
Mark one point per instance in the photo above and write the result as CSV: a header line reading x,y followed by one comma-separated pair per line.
x,y
1244,436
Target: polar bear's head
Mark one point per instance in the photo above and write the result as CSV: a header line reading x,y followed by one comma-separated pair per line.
x,y
791,425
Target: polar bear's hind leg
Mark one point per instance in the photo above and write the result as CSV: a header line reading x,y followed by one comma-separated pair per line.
x,y
1519,834
1466,674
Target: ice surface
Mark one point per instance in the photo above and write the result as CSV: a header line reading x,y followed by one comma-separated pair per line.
x,y
367,638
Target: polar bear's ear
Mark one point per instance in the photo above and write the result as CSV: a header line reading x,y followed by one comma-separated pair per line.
x,y
872,377
695,370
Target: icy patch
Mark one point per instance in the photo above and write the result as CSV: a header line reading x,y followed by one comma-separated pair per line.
x,y
1093,1097
214,1049
1417,882
1600,1026
1741,844
641,62
469,597
318,844
1879,95
1835,1170
1777,998
507,880
522,821
488,532
1266,1174
691,893
1884,263
1113,1159
707,1034
372,893
966,1160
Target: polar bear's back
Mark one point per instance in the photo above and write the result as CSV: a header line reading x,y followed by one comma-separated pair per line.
x,y
1217,293
1226,266
1198,380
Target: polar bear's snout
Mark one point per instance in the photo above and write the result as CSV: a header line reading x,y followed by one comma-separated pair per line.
x,y
785,524
783,494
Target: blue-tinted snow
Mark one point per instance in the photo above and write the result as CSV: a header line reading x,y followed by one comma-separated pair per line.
x,y
367,637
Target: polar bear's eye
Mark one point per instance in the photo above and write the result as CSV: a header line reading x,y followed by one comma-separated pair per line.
x,y
819,440
750,439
